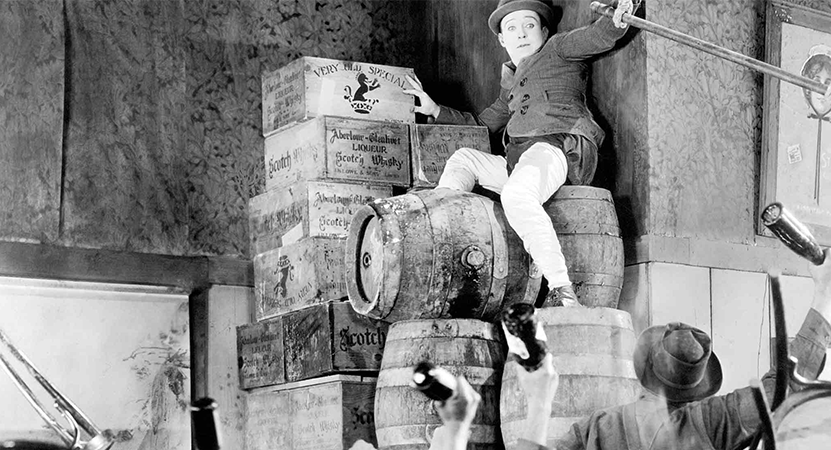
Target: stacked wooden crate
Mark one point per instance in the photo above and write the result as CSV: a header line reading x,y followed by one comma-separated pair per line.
x,y
336,137
432,145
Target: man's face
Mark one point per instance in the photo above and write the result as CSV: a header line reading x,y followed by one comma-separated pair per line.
x,y
521,34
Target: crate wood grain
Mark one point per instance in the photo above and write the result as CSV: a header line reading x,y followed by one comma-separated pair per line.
x,y
433,144
306,209
260,354
331,338
311,87
338,149
309,271
329,413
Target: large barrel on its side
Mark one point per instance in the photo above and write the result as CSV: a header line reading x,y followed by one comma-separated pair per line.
x,y
803,420
404,417
436,254
586,223
592,349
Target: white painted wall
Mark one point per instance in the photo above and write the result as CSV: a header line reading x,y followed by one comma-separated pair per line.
x,y
732,305
113,350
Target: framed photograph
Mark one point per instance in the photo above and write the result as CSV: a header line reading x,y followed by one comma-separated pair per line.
x,y
796,146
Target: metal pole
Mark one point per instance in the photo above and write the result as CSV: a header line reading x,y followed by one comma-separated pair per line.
x,y
713,49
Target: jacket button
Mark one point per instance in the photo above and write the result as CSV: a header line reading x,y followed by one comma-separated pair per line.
x,y
523,109
522,81
525,97
510,97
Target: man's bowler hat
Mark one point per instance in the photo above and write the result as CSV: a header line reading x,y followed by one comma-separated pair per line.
x,y
506,7
676,362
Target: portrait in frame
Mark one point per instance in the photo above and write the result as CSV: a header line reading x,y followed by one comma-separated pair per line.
x,y
796,145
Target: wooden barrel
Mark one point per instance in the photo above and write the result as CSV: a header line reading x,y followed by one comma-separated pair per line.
x,y
592,350
803,420
404,417
587,226
436,254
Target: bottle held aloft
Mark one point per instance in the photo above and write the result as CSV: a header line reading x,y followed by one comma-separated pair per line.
x,y
203,414
525,335
792,233
434,382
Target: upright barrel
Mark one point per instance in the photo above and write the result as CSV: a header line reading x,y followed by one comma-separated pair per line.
x,y
436,254
586,223
404,417
592,349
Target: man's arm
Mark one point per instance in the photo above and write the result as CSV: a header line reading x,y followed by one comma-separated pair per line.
x,y
495,116
598,37
539,388
732,418
457,415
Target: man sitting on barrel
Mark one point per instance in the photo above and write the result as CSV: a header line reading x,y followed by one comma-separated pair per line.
x,y
550,133
677,410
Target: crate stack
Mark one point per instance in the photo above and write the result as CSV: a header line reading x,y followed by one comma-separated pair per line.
x,y
336,137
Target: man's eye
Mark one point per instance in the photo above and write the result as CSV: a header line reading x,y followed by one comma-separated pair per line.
x,y
530,25
511,28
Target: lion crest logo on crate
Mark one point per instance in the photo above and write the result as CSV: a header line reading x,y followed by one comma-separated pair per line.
x,y
311,87
285,273
357,101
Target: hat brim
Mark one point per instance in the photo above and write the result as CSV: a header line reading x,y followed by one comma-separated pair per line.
x,y
545,12
708,386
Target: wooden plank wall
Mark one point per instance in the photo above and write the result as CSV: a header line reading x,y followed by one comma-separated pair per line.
x,y
215,314
460,66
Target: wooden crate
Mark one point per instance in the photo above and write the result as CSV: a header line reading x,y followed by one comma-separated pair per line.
x,y
433,144
309,271
312,87
329,413
260,354
338,149
331,338
306,209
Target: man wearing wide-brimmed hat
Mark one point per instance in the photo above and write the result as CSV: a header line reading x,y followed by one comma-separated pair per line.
x,y
677,410
550,135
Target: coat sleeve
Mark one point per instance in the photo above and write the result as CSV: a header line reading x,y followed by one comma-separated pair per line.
x,y
731,419
523,444
495,116
590,40
584,42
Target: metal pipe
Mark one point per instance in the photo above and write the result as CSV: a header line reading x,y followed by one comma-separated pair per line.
x,y
99,440
782,361
713,49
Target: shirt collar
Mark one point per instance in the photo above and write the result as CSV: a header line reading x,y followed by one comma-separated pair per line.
x,y
509,69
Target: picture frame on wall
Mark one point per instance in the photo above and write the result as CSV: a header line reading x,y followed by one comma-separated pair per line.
x,y
796,140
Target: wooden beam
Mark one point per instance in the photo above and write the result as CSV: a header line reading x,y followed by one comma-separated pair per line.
x,y
230,271
187,273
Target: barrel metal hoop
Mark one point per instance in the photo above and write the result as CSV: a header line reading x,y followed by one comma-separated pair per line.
x,y
499,274
582,192
419,434
605,229
354,286
440,277
461,328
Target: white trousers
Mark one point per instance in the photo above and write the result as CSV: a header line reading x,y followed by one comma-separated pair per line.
x,y
540,171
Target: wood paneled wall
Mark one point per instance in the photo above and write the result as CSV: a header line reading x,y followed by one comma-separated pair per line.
x,y
460,64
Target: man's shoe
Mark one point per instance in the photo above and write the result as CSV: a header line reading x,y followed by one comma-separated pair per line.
x,y
561,296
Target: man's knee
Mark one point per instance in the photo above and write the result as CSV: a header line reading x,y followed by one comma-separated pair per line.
x,y
515,198
463,155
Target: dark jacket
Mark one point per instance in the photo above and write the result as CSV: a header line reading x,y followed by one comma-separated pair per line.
x,y
546,95
714,423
